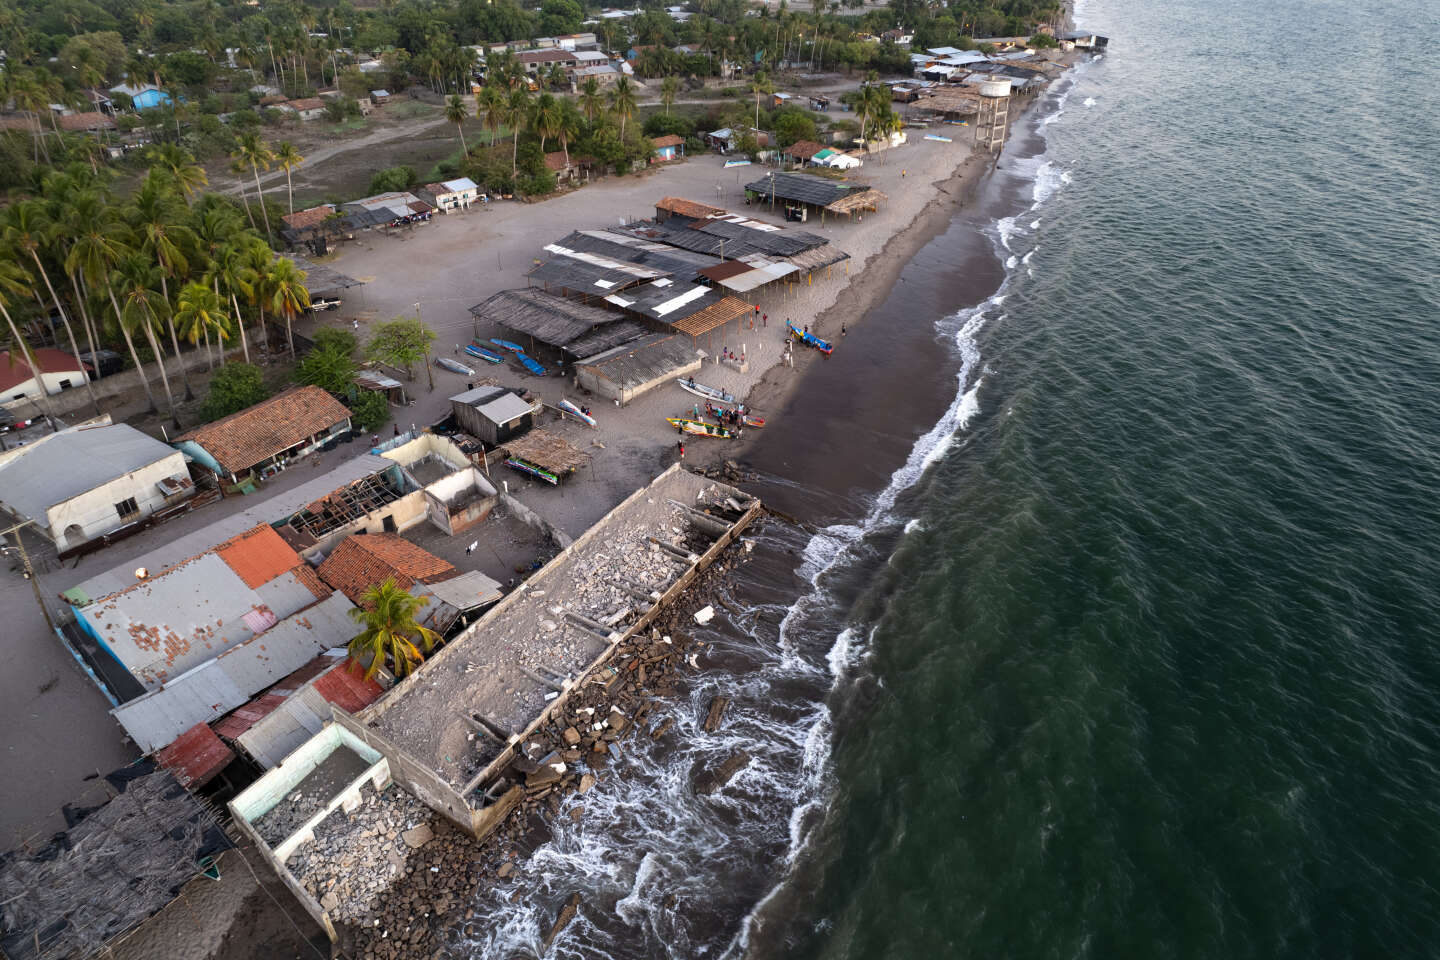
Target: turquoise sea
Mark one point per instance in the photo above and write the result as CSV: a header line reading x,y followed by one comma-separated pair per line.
x,y
1112,628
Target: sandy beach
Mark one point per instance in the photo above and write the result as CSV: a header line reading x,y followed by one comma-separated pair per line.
x,y
466,257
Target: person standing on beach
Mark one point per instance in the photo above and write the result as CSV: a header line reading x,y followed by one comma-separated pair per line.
x,y
681,445
765,320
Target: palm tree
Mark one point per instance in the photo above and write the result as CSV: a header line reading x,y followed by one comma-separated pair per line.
x,y
255,153
547,117
26,228
256,278
31,97
591,102
15,282
289,158
154,217
490,108
760,86
237,167
517,108
569,127
456,113
180,164
198,312
622,102
101,243
288,295
70,213
140,308
390,630
669,87
228,268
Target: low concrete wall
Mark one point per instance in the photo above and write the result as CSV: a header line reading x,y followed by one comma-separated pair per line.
x,y
557,536
113,386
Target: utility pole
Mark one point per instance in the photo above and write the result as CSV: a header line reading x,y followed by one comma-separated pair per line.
x,y
29,570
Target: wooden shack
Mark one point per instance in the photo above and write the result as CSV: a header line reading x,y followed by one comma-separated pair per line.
x,y
494,414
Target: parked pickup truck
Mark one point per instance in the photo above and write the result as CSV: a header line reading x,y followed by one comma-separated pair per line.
x,y
318,305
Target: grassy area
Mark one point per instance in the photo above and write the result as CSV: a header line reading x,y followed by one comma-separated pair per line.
x,y
348,126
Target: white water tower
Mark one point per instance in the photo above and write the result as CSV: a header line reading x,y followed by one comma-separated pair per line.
x,y
994,116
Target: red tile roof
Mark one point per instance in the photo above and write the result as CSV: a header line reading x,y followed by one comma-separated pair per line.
x,y
301,219
328,676
688,208
803,149
91,120
555,161
258,555
244,439
361,562
669,140
15,370
307,103
195,757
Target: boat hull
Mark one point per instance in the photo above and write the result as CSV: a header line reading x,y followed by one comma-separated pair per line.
x,y
454,366
699,428
576,412
709,393
482,353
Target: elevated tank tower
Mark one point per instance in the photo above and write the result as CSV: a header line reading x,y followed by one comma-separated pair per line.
x,y
993,120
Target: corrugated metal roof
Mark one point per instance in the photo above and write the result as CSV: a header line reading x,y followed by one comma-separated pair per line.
x,y
647,359
467,591
195,757
219,685
272,510
504,408
67,464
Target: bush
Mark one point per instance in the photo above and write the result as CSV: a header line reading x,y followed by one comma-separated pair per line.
x,y
694,146
537,184
393,178
234,387
659,125
342,340
368,410
329,368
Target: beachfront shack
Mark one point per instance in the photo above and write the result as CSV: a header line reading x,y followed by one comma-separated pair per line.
x,y
625,372
802,195
494,414
668,208
544,456
264,437
554,321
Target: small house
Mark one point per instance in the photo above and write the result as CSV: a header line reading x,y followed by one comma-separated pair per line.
x,y
451,194
494,414
669,147
269,434
58,371
144,96
309,108
558,163
360,562
379,97
79,484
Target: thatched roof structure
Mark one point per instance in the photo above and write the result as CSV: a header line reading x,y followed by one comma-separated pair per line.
x,y
552,320
547,451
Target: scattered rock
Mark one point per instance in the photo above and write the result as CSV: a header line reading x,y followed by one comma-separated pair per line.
x,y
716,778
418,837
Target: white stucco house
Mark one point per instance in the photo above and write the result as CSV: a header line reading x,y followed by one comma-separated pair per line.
x,y
59,370
451,195
84,482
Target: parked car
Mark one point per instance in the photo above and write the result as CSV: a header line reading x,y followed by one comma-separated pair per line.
x,y
318,305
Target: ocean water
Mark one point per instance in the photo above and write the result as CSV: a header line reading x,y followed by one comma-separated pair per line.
x,y
1111,630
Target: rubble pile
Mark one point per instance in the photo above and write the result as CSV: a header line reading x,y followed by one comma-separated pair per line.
x,y
420,907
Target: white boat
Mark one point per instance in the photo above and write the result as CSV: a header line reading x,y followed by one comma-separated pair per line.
x,y
577,413
709,393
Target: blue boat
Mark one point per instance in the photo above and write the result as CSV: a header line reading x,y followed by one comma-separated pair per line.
x,y
809,339
530,364
490,356
508,345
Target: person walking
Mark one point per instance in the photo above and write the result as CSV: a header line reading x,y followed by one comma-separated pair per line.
x,y
765,320
681,445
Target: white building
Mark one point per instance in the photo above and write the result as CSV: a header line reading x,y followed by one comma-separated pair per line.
x,y
58,370
451,194
81,483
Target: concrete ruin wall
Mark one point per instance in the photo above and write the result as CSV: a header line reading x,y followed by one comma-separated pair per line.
x,y
530,518
465,483
419,779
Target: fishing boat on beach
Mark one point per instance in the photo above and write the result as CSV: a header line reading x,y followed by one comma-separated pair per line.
x,y
483,353
576,412
699,428
530,363
539,473
700,390
508,345
809,339
454,366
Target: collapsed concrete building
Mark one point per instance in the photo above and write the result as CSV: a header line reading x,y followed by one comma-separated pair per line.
x,y
450,737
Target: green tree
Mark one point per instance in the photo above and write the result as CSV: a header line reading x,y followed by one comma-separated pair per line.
x,y
548,118
288,158
591,100
142,308
400,344
517,111
288,296
255,153
369,410
234,387
393,178
389,630
328,367
456,113
669,87
179,164
490,108
198,313
14,283
334,337
622,102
